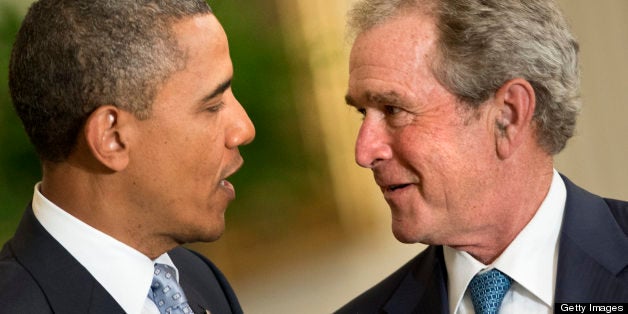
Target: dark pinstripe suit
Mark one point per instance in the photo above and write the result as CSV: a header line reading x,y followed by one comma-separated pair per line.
x,y
592,263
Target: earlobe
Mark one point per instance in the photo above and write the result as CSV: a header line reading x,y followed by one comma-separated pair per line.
x,y
516,103
103,134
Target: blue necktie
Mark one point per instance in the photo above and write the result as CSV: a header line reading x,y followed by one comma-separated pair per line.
x,y
166,292
488,290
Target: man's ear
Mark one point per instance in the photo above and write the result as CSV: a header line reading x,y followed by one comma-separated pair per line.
x,y
516,103
105,139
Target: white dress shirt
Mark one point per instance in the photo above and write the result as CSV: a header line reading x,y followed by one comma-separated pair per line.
x,y
124,272
530,260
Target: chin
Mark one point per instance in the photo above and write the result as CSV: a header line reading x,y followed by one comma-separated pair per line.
x,y
211,234
208,228
403,235
200,233
208,238
408,234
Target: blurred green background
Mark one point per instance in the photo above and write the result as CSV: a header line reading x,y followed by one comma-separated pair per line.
x,y
19,166
283,184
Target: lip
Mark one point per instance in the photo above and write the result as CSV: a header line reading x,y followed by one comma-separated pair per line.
x,y
228,188
394,188
400,196
226,185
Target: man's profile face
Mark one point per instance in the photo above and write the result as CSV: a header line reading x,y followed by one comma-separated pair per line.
x,y
429,156
189,145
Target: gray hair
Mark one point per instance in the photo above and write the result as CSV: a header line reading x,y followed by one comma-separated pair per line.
x,y
484,43
72,56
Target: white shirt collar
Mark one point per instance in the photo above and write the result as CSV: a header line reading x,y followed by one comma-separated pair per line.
x,y
124,272
530,259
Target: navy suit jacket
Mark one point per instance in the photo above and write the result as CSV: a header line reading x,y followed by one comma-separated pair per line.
x,y
592,263
37,275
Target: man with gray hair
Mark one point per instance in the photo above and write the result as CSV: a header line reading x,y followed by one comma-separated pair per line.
x,y
464,104
130,109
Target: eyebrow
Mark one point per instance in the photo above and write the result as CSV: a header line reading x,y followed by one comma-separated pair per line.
x,y
349,100
222,87
388,98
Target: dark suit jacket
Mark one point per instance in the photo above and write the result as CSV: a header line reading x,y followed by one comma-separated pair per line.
x,y
592,263
37,275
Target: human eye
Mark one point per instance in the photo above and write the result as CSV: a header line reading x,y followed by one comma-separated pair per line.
x,y
391,110
215,107
397,116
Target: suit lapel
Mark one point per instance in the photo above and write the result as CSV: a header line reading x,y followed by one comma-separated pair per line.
x,y
197,302
424,289
201,283
593,251
68,286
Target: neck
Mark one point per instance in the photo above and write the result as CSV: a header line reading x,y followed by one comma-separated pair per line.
x,y
519,197
90,196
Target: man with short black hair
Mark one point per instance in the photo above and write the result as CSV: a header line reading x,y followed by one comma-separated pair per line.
x,y
130,108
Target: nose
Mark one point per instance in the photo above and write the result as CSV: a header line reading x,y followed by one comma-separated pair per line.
x,y
372,146
241,130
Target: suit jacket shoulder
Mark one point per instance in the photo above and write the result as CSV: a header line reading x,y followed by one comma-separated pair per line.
x,y
16,283
420,286
32,263
593,249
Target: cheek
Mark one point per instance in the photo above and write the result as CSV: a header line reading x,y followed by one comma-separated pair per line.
x,y
199,143
427,149
210,146
206,157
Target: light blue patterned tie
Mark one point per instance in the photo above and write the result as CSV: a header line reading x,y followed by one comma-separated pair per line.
x,y
166,292
488,290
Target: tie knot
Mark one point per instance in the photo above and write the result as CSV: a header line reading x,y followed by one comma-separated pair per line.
x,y
488,290
166,293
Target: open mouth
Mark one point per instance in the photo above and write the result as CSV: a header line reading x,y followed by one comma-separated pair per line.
x,y
228,187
